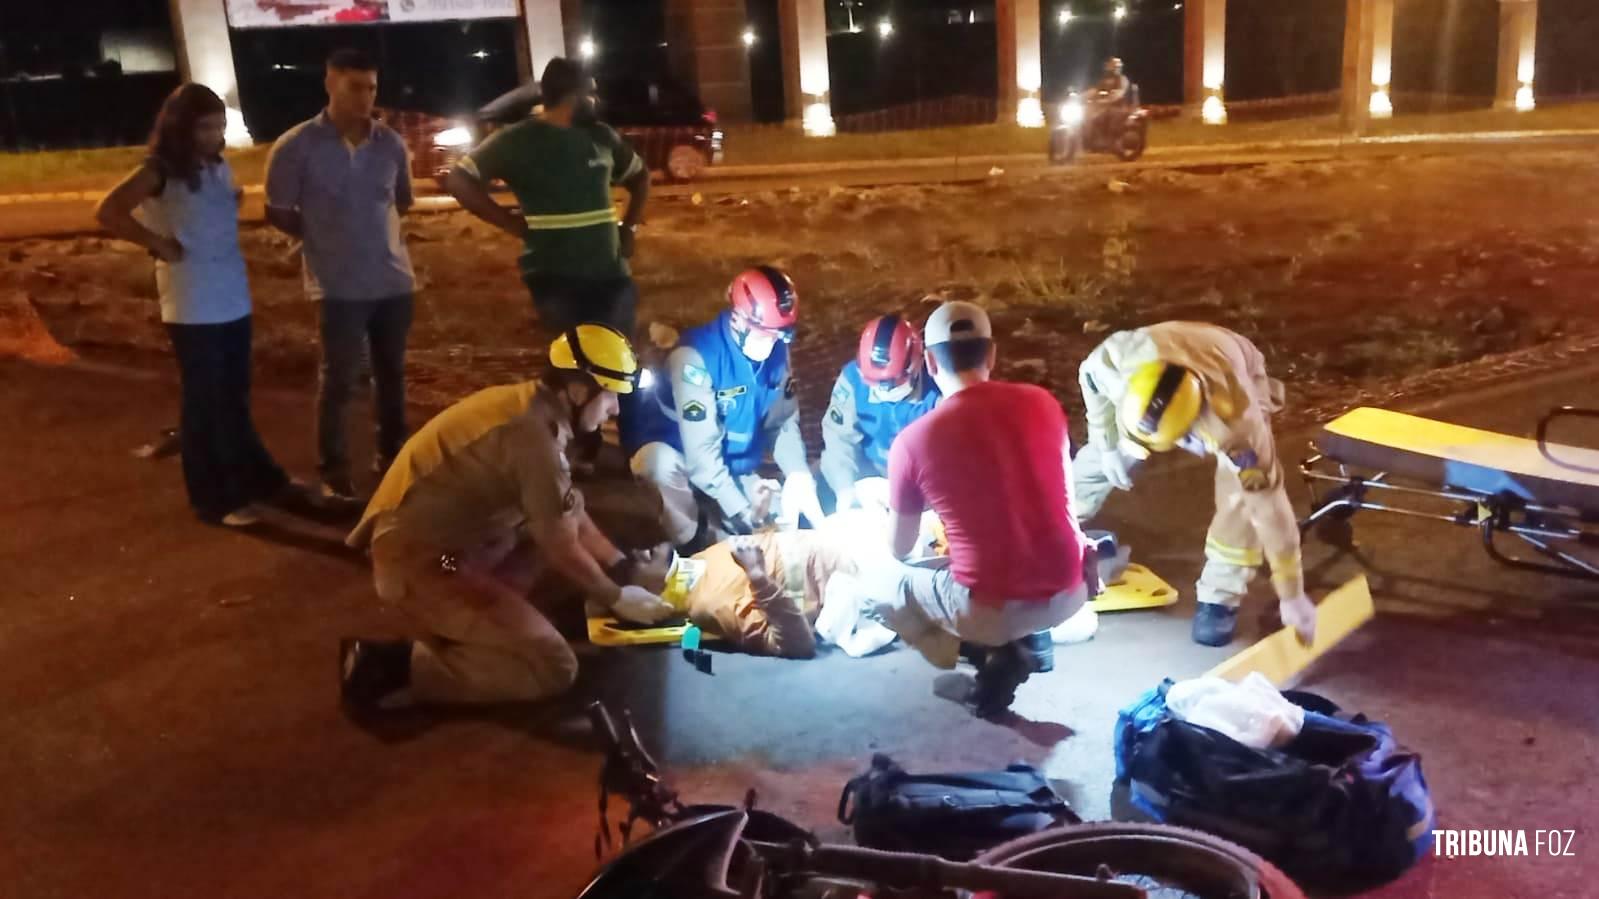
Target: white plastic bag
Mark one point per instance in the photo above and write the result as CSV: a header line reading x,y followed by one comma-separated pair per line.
x,y
1251,712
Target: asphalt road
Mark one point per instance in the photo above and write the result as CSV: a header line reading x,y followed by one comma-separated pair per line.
x,y
168,699
66,217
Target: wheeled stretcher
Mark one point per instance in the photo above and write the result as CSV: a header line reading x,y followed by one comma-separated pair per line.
x,y
1544,494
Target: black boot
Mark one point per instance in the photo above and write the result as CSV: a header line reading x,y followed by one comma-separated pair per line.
x,y
973,654
371,671
1002,672
1214,624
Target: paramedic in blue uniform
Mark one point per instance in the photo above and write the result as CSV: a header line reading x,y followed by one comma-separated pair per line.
x,y
727,401
877,394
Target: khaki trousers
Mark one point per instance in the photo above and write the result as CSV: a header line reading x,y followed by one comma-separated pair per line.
x,y
935,613
664,468
482,640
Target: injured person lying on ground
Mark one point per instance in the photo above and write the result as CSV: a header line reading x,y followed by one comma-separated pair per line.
x,y
773,593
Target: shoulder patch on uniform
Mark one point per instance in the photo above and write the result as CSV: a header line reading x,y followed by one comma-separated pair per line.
x,y
694,410
836,416
696,375
840,393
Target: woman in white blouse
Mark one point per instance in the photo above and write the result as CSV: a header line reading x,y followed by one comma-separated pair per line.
x,y
189,205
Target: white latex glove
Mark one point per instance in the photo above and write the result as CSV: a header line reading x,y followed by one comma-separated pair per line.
x,y
799,498
640,606
762,496
1116,467
1299,613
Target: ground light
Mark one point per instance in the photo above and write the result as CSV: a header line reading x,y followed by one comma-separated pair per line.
x,y
749,37
885,28
586,48
1064,17
234,132
1030,112
456,136
1120,13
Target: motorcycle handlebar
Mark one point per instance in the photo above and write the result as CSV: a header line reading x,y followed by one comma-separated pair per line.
x,y
605,726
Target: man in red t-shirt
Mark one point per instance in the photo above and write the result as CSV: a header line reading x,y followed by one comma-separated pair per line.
x,y
993,461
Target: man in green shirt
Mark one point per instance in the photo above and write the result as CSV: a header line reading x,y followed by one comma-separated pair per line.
x,y
561,166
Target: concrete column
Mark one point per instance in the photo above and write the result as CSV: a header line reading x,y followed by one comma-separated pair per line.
x,y
807,84
1021,62
1205,59
205,56
543,35
1360,19
705,47
1518,52
1381,105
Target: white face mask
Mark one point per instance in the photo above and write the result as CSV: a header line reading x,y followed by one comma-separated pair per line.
x,y
891,394
758,345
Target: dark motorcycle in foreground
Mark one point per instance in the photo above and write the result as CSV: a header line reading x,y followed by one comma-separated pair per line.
x,y
741,852
1080,127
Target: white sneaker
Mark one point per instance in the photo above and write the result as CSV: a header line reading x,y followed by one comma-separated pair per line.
x,y
1079,628
242,517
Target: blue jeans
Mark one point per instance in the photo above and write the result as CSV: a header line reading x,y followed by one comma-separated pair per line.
x,y
225,466
349,329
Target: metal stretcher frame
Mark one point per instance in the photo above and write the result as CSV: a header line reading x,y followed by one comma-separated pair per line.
x,y
1550,530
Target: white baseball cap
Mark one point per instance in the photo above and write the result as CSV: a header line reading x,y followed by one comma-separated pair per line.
x,y
957,321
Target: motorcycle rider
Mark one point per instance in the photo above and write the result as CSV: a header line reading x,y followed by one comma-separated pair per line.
x,y
877,394
1204,389
1108,97
727,399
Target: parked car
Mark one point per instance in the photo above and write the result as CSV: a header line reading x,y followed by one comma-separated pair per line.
x,y
669,127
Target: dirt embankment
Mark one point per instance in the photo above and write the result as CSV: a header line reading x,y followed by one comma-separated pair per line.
x,y
1359,279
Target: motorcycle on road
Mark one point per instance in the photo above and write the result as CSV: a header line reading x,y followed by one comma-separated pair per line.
x,y
1122,131
741,852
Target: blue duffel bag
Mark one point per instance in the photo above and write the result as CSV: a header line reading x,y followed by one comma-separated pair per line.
x,y
1342,806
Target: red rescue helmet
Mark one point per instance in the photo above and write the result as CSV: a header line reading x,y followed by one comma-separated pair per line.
x,y
890,351
764,298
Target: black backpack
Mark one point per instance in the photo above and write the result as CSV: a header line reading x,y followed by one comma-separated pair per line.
x,y
955,816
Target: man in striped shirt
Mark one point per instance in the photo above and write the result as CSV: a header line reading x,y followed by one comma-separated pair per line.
x,y
561,166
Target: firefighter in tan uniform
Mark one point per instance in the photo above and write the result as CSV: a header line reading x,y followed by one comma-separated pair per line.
x,y
1204,389
478,504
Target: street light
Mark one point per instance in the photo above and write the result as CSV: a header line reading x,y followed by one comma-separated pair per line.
x,y
749,37
586,48
1064,17
1120,13
885,28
